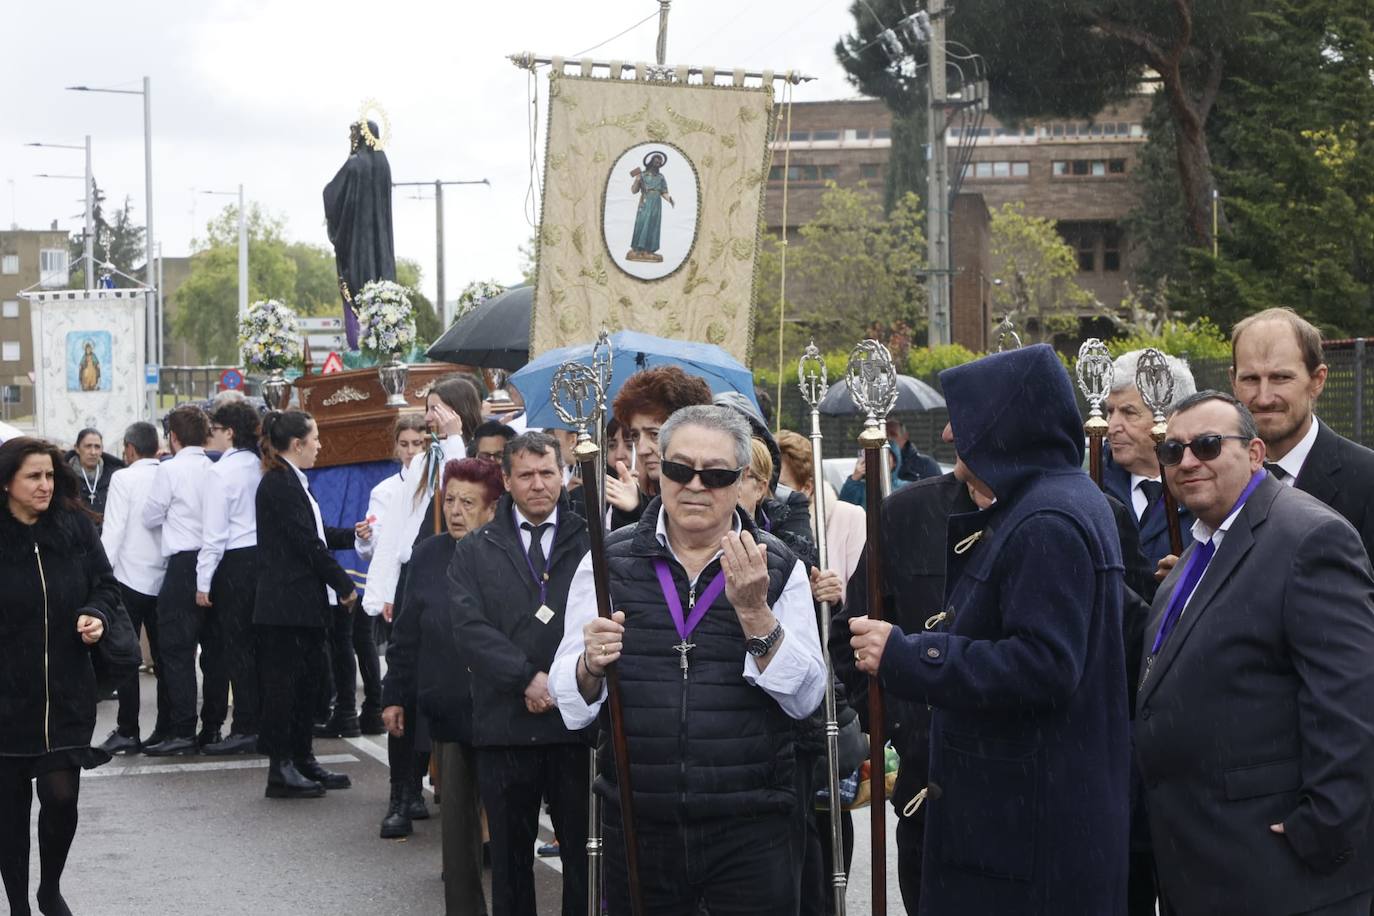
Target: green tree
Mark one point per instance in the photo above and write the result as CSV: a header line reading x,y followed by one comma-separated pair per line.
x,y
848,270
317,286
427,325
207,302
119,241
1036,269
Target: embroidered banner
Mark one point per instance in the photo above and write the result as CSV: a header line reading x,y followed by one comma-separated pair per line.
x,y
652,195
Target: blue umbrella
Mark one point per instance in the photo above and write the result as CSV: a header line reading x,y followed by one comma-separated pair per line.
x,y
631,352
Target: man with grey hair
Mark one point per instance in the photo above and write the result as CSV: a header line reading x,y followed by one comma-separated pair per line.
x,y
1130,471
714,635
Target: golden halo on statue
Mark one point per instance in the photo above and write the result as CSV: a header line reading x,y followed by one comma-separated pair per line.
x,y
370,107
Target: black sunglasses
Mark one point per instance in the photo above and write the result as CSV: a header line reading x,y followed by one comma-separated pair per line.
x,y
1205,448
711,478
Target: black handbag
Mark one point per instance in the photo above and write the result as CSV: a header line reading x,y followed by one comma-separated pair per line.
x,y
118,655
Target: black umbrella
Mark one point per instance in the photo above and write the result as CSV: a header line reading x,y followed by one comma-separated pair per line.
x,y
913,395
494,335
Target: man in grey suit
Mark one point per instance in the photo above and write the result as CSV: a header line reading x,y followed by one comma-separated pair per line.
x,y
1255,716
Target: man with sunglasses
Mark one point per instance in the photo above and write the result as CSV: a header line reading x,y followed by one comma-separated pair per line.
x,y
1255,714
715,638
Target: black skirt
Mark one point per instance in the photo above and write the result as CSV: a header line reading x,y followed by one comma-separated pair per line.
x,y
71,758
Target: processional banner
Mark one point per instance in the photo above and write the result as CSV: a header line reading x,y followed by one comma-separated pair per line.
x,y
653,189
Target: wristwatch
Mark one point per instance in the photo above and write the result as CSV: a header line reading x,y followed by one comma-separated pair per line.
x,y
759,646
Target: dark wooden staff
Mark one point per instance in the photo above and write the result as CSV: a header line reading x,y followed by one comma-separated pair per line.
x,y
872,439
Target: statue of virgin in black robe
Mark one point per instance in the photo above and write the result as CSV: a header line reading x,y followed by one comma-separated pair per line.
x,y
357,207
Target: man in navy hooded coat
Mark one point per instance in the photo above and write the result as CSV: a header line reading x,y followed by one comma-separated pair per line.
x,y
1028,803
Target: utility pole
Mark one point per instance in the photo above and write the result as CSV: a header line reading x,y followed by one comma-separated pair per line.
x,y
661,50
89,247
445,313
243,258
937,182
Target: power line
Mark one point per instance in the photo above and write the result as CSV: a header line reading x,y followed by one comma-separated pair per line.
x,y
653,15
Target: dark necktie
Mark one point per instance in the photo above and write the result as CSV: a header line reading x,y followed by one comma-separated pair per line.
x,y
536,551
1153,490
1273,467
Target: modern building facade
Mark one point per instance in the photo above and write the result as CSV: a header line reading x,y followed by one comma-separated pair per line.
x,y
29,260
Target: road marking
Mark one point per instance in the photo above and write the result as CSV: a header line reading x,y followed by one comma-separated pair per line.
x,y
163,769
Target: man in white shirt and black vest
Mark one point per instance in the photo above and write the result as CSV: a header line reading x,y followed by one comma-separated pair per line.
x,y
715,639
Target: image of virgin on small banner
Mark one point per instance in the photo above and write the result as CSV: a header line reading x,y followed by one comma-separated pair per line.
x,y
650,215
89,360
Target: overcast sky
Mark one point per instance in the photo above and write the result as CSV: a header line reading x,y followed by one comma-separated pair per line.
x,y
262,93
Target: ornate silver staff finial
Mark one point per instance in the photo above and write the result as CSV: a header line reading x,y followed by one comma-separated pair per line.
x,y
1095,379
601,359
1155,383
873,385
1007,330
577,394
811,375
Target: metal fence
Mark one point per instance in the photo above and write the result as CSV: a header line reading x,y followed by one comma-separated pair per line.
x,y
180,384
1345,404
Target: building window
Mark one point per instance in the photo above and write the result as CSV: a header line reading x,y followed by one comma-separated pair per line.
x,y
862,133
882,133
871,170
799,136
1020,170
1111,248
10,351
1116,166
830,173
999,169
52,267
822,135
9,264
795,173
9,309
1087,168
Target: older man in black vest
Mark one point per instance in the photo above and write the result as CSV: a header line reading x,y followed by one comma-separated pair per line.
x,y
715,636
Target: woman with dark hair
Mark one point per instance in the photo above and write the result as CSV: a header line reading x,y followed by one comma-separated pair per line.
x,y
300,587
426,675
93,469
227,565
59,598
453,410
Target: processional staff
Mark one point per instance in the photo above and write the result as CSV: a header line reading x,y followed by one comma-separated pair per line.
x,y
578,395
1095,378
811,379
1155,383
873,386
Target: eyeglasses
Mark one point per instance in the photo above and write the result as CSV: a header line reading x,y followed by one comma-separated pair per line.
x,y
711,478
1205,448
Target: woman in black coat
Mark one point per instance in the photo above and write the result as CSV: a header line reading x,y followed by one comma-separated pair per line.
x,y
57,595
299,585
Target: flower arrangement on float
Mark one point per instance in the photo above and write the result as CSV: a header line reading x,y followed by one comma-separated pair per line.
x,y
269,341
386,330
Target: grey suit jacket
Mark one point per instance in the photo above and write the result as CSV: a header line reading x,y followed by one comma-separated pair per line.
x,y
1258,710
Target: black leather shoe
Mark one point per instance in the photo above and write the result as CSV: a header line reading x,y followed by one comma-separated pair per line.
x,y
234,744
396,824
157,737
415,802
338,726
310,768
117,744
285,781
205,737
371,723
172,747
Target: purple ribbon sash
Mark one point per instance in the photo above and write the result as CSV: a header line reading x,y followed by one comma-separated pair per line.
x,y
685,626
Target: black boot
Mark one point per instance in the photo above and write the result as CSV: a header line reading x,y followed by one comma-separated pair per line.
x,y
397,822
415,801
310,768
340,725
285,781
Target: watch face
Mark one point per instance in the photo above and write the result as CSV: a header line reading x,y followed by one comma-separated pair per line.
x,y
757,646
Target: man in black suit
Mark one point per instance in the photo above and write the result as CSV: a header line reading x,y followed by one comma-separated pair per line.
x,y
1255,714
1278,373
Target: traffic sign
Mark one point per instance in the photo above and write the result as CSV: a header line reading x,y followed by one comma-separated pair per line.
x,y
152,374
332,363
231,379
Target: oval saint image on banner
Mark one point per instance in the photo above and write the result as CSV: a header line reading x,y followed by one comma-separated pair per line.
x,y
649,218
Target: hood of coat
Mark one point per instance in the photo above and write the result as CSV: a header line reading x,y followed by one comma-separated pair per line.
x,y
1014,417
745,408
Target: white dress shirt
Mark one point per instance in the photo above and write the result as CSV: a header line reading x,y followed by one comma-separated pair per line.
x,y
377,503
319,519
1297,455
175,500
1202,533
404,516
230,519
795,676
545,536
1139,501
134,551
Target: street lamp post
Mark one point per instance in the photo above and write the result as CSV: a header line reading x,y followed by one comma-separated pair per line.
x,y
88,239
243,250
154,311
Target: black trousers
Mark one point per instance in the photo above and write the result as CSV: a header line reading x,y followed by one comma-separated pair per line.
x,y
352,649
512,781
911,846
142,613
736,866
289,662
232,592
182,625
407,757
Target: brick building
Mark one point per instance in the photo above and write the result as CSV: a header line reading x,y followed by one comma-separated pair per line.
x,y
28,259
1077,173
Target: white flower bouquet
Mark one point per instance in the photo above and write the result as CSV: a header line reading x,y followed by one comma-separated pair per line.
x,y
268,336
386,319
474,294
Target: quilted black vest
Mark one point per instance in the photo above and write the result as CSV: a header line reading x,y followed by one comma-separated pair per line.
x,y
708,744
